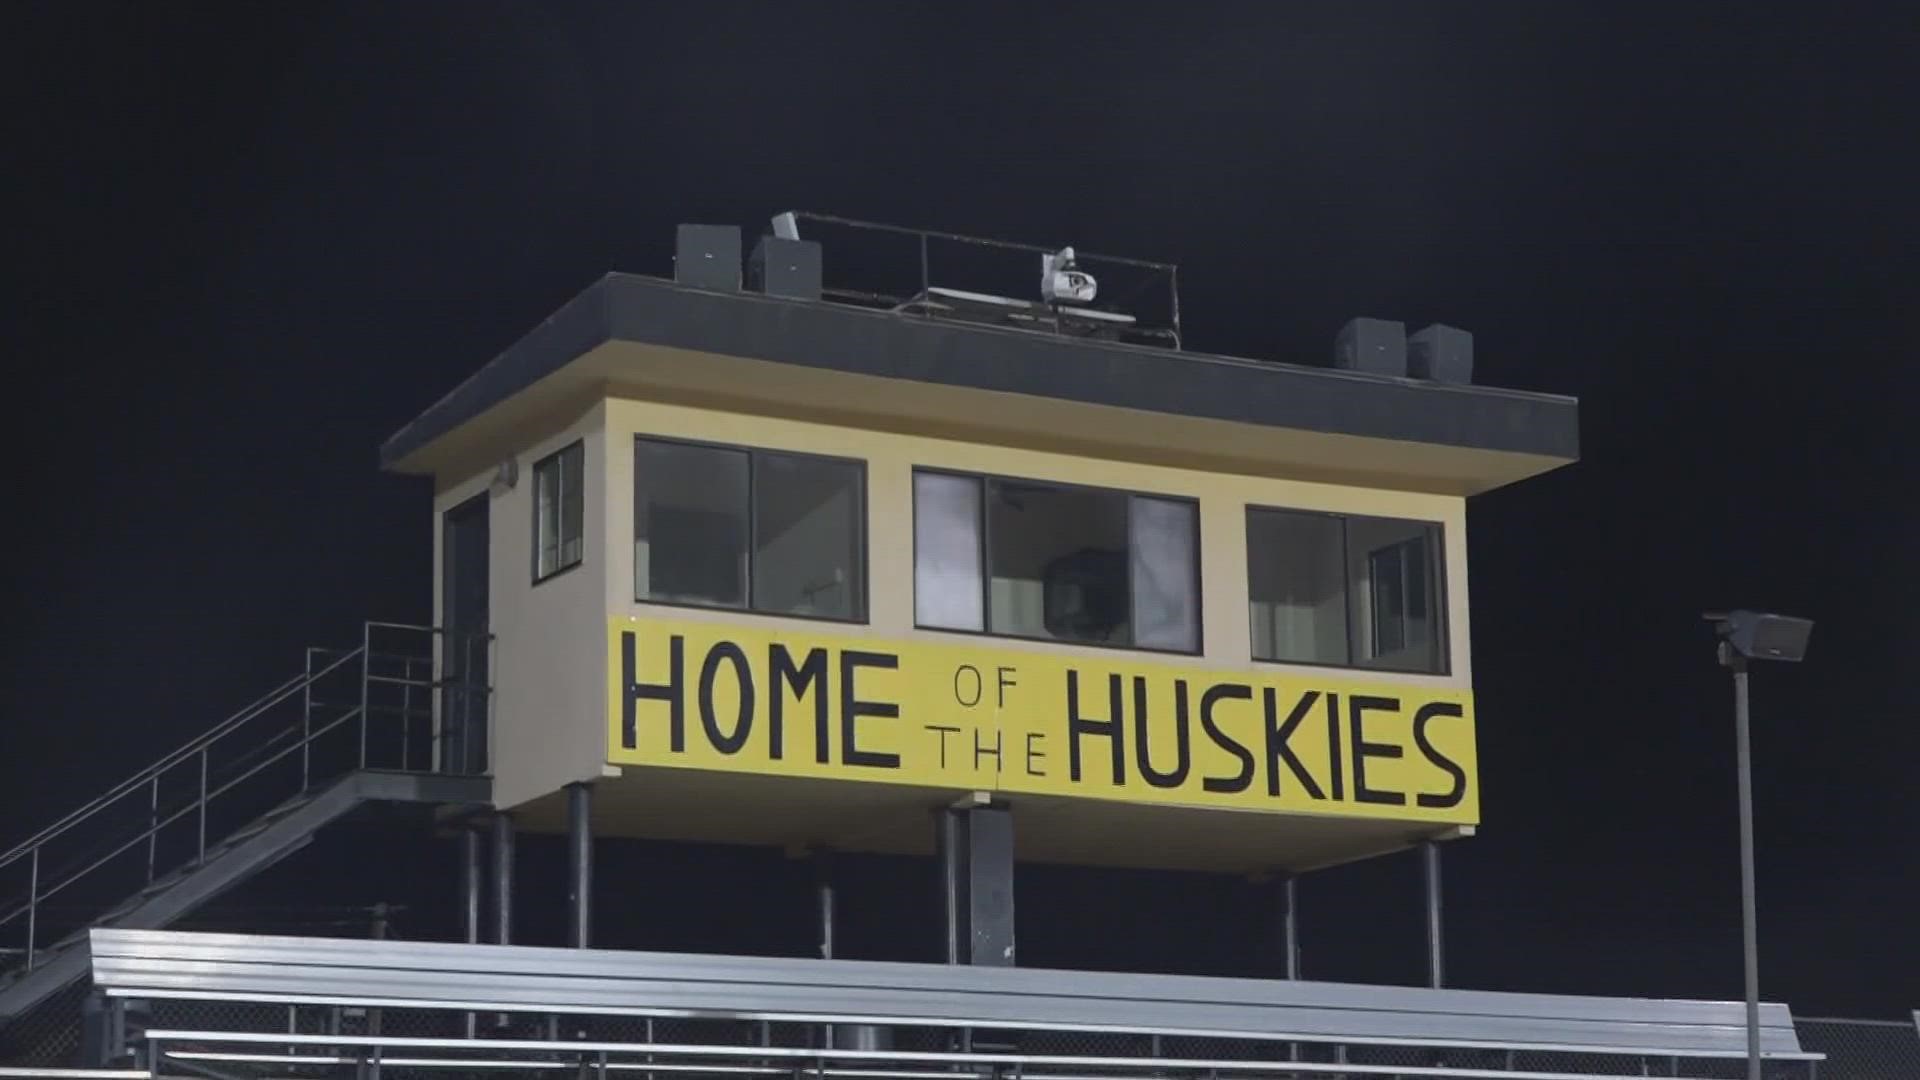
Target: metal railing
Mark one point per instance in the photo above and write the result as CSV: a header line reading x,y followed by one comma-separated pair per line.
x,y
376,705
1155,284
344,1041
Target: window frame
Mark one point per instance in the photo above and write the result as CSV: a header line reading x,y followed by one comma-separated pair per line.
x,y
986,561
862,516
557,456
1436,574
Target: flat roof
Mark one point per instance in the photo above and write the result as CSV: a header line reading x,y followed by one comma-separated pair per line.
x,y
830,337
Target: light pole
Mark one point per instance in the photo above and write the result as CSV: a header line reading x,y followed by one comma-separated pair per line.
x,y
1744,636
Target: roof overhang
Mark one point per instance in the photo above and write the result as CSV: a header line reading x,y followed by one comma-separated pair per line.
x,y
644,337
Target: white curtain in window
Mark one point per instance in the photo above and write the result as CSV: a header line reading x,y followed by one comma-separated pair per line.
x,y
1166,609
947,586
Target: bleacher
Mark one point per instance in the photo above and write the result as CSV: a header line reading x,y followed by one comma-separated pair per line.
x,y
219,1001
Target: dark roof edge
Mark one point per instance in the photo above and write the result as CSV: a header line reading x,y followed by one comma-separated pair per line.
x,y
858,341
580,325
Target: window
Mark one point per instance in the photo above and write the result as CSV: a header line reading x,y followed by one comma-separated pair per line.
x,y
1053,561
1398,574
778,533
1345,591
558,511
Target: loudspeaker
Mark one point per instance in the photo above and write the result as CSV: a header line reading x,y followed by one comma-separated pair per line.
x,y
1375,346
708,257
1441,353
781,267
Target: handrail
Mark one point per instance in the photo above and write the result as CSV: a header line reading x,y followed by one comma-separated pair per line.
x,y
146,776
364,665
178,815
247,713
128,786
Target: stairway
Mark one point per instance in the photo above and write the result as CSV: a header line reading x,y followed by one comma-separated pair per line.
x,y
273,836
362,717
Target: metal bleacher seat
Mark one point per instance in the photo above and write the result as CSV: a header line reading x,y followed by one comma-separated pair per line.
x,y
730,1015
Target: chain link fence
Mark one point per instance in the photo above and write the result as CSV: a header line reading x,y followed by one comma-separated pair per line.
x,y
1864,1049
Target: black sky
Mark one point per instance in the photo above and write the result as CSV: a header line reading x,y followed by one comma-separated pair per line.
x,y
250,241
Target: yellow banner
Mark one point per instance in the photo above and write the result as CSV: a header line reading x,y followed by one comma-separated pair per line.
x,y
978,717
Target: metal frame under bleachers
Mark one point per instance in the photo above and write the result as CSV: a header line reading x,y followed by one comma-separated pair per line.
x,y
462,1007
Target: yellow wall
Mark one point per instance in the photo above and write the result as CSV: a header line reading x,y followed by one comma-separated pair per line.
x,y
551,672
891,459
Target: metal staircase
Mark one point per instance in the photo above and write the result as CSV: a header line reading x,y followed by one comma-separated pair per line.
x,y
356,727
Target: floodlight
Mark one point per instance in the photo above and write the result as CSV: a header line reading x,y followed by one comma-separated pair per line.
x,y
1763,636
1063,282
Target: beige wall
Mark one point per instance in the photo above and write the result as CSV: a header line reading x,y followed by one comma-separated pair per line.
x,y
548,715
891,458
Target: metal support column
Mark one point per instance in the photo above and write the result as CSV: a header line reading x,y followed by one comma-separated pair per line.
x,y
1290,925
470,894
470,882
580,862
976,875
502,879
1749,932
841,1036
823,891
1436,951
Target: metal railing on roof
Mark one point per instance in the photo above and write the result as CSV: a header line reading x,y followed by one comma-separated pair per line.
x,y
1151,291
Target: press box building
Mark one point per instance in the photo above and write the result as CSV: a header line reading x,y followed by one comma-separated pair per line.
x,y
778,566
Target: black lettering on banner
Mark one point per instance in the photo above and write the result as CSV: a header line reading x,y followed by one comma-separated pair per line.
x,y
978,685
1357,709
944,732
1006,679
1033,753
1243,779
1334,740
1111,729
852,709
1279,746
673,692
726,743
981,751
1183,750
1440,761
809,674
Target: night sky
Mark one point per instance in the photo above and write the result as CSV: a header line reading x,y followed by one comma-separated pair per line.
x,y
251,241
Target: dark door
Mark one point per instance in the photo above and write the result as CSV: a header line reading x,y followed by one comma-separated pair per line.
x,y
463,616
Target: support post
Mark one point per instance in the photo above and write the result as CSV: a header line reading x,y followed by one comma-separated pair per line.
x,y
1290,924
976,874
502,879
1436,951
1749,930
470,882
470,894
580,862
823,891
376,1019
841,1036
